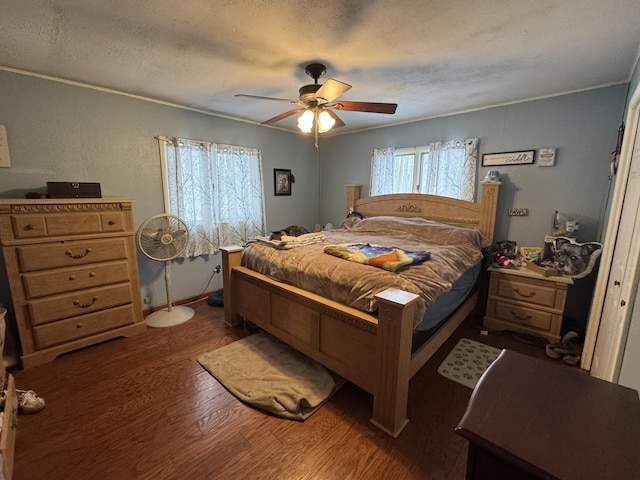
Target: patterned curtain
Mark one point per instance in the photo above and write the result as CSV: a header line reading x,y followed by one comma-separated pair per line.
x,y
382,171
240,196
446,168
449,169
216,189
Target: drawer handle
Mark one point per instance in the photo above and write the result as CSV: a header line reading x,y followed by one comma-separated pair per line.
x,y
525,295
72,277
86,252
30,226
79,325
92,274
85,305
521,317
111,222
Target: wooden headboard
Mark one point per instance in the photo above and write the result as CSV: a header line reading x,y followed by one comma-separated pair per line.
x,y
480,215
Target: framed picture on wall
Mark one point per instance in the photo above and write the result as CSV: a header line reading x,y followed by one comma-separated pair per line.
x,y
282,181
507,158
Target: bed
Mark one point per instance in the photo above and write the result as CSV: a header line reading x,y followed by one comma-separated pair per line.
x,y
373,350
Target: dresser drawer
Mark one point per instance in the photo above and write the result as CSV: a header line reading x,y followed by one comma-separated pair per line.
x,y
519,315
86,325
529,292
66,254
77,303
112,222
50,282
48,225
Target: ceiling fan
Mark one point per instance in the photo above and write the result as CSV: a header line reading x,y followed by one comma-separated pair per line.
x,y
318,103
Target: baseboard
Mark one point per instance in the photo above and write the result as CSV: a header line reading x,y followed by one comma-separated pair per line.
x,y
182,301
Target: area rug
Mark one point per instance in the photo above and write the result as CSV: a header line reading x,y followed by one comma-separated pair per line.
x,y
467,362
268,374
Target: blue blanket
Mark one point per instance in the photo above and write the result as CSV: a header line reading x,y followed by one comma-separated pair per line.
x,y
388,258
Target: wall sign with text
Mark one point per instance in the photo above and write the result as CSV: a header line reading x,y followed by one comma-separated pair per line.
x,y
507,158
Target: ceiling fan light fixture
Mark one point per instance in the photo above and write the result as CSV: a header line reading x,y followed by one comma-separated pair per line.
x,y
305,122
325,121
315,98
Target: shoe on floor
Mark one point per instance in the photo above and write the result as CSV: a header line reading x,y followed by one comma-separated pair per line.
x,y
571,359
567,346
29,401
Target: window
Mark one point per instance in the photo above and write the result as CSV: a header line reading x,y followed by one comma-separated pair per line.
x,y
442,168
216,189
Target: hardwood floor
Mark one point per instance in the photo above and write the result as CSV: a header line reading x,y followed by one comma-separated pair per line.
x,y
142,407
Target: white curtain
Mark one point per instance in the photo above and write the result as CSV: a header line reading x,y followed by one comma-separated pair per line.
x,y
449,169
240,196
216,189
445,168
382,171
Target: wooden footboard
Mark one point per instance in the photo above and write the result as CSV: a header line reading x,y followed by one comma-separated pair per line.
x,y
373,353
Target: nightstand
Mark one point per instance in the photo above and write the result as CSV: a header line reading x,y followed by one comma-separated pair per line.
x,y
522,300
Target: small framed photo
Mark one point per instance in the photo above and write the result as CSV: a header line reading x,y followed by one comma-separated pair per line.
x,y
507,158
546,157
281,181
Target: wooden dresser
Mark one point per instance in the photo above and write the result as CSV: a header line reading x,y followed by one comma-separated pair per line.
x,y
73,273
531,418
522,300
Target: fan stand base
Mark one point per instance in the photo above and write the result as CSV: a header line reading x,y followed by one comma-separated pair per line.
x,y
165,318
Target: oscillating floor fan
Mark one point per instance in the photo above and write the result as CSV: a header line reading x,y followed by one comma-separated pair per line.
x,y
162,238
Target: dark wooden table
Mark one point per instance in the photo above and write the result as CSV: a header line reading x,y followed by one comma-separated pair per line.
x,y
529,419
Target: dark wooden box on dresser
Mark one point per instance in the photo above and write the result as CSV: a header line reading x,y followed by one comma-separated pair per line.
x,y
73,273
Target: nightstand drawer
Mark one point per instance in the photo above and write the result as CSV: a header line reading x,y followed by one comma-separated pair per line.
x,y
519,315
66,254
523,291
79,327
50,282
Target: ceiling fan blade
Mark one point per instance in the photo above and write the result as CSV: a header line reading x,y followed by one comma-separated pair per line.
x,y
330,90
339,122
243,95
370,107
282,116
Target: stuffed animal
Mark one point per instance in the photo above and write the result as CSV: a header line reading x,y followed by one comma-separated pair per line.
x,y
503,261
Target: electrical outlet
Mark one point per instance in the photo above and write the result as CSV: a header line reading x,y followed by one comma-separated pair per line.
x,y
218,268
147,300
518,212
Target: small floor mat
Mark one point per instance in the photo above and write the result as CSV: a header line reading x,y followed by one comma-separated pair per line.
x,y
270,375
467,362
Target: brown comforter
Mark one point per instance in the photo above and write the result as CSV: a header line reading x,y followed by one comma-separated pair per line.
x,y
453,251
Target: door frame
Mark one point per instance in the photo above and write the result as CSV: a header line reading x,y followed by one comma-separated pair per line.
x,y
599,329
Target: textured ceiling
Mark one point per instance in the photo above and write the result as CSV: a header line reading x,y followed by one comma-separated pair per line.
x,y
432,58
